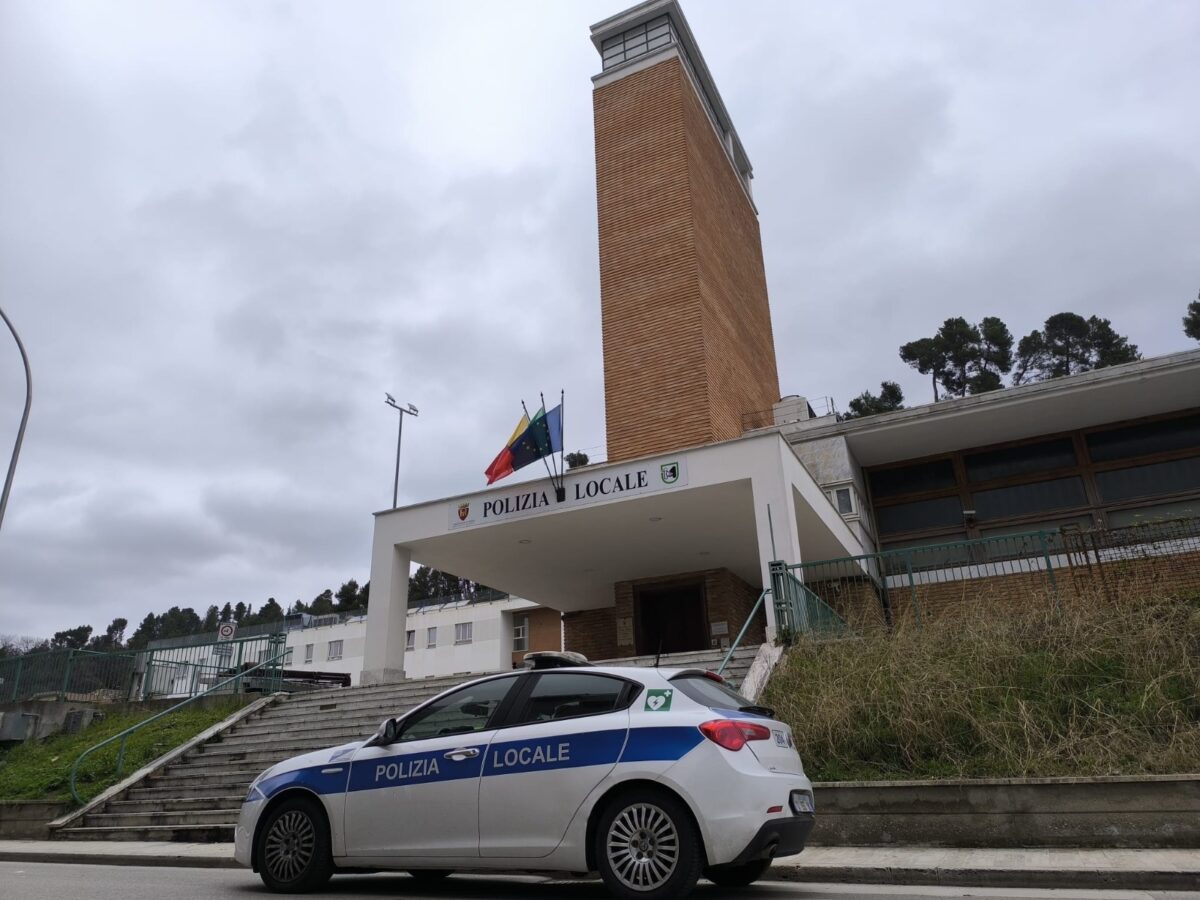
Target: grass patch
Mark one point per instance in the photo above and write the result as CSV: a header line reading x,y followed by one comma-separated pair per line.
x,y
39,770
1097,686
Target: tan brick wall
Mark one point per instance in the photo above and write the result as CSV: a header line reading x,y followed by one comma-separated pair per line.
x,y
684,316
592,632
545,632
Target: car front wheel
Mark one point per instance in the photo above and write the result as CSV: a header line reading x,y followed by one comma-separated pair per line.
x,y
293,847
648,846
738,876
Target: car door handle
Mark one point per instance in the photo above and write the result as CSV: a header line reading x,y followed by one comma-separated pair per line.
x,y
462,753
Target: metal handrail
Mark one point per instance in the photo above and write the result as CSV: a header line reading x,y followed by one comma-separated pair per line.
x,y
741,634
124,735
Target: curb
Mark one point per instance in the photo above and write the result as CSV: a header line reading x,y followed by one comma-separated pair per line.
x,y
120,859
1088,879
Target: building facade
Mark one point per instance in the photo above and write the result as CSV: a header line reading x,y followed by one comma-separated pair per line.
x,y
715,485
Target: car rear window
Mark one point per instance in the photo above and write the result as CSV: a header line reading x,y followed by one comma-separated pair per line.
x,y
713,694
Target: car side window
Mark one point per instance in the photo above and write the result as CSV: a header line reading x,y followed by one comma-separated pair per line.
x,y
567,695
463,712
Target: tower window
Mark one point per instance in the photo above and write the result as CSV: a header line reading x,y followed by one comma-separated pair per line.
x,y
637,41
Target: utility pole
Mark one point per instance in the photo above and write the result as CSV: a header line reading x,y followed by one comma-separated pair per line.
x,y
409,411
12,466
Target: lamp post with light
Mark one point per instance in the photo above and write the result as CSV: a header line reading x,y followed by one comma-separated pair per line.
x,y
12,466
409,411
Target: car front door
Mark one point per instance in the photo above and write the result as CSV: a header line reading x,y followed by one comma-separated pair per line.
x,y
559,742
419,796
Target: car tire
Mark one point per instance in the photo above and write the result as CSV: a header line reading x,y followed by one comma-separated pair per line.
x,y
738,876
647,846
293,855
429,876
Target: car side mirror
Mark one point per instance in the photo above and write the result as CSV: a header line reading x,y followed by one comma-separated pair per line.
x,y
387,733
391,731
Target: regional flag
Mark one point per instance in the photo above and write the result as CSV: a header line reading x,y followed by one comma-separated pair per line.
x,y
502,465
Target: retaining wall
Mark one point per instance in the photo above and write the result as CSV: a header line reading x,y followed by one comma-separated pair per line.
x,y
1155,811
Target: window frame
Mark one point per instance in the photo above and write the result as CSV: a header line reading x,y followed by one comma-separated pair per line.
x,y
431,637
468,628
497,715
309,652
630,691
341,646
1087,469
524,637
410,640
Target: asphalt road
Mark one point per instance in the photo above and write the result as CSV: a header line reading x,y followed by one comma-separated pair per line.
x,y
57,881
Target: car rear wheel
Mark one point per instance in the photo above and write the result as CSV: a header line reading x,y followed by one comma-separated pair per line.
x,y
738,876
648,846
293,847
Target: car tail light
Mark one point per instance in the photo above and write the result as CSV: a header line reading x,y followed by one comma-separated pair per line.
x,y
713,676
734,735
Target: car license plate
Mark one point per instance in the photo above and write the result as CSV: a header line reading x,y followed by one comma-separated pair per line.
x,y
802,802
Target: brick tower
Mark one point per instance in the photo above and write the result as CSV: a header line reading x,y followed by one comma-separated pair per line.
x,y
688,354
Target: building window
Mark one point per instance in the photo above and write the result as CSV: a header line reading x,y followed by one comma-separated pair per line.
x,y
410,640
940,512
914,479
637,41
1141,440
431,636
335,650
308,653
843,499
1026,499
1020,460
520,633
462,632
1174,477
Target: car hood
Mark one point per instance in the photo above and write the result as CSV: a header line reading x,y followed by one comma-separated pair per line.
x,y
341,753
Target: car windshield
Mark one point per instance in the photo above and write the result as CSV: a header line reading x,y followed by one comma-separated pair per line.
x,y
714,694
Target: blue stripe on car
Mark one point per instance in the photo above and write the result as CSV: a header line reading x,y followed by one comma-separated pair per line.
x,y
595,748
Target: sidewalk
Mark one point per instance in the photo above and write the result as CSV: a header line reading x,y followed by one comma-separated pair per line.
x,y
1146,869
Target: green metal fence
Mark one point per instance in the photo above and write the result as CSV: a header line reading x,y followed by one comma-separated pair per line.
x,y
67,674
188,671
798,610
265,675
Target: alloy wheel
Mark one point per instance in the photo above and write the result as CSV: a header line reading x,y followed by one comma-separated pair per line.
x,y
643,847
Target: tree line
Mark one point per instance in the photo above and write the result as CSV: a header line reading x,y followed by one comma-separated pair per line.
x,y
424,584
963,358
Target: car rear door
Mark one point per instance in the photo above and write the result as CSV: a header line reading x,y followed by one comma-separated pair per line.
x,y
562,739
418,797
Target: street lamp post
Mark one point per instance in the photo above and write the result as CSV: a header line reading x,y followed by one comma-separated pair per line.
x,y
409,411
12,466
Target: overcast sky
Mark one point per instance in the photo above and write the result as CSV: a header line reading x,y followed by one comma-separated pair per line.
x,y
226,228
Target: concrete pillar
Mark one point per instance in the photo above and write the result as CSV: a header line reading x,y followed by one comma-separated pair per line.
x,y
387,616
775,525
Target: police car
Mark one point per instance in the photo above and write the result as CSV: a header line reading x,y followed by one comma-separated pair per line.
x,y
653,777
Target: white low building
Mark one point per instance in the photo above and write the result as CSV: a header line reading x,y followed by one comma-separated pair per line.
x,y
459,636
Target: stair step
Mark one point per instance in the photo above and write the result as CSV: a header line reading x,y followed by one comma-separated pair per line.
x,y
180,819
175,804
196,834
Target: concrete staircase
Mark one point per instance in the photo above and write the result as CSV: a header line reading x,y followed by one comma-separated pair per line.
x,y
198,798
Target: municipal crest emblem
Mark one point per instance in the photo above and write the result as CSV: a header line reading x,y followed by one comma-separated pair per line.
x,y
669,472
464,510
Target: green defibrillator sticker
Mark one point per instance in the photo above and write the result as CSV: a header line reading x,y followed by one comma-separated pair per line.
x,y
658,700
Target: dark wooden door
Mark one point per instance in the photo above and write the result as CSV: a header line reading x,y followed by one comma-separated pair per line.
x,y
671,617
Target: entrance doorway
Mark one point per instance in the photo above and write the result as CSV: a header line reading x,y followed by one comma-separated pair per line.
x,y
670,618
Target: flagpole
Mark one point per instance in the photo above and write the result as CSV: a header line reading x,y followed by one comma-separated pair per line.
x,y
554,476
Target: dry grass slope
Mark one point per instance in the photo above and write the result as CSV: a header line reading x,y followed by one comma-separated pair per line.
x,y
1093,686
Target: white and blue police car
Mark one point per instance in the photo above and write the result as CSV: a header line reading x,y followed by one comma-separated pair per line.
x,y
653,777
